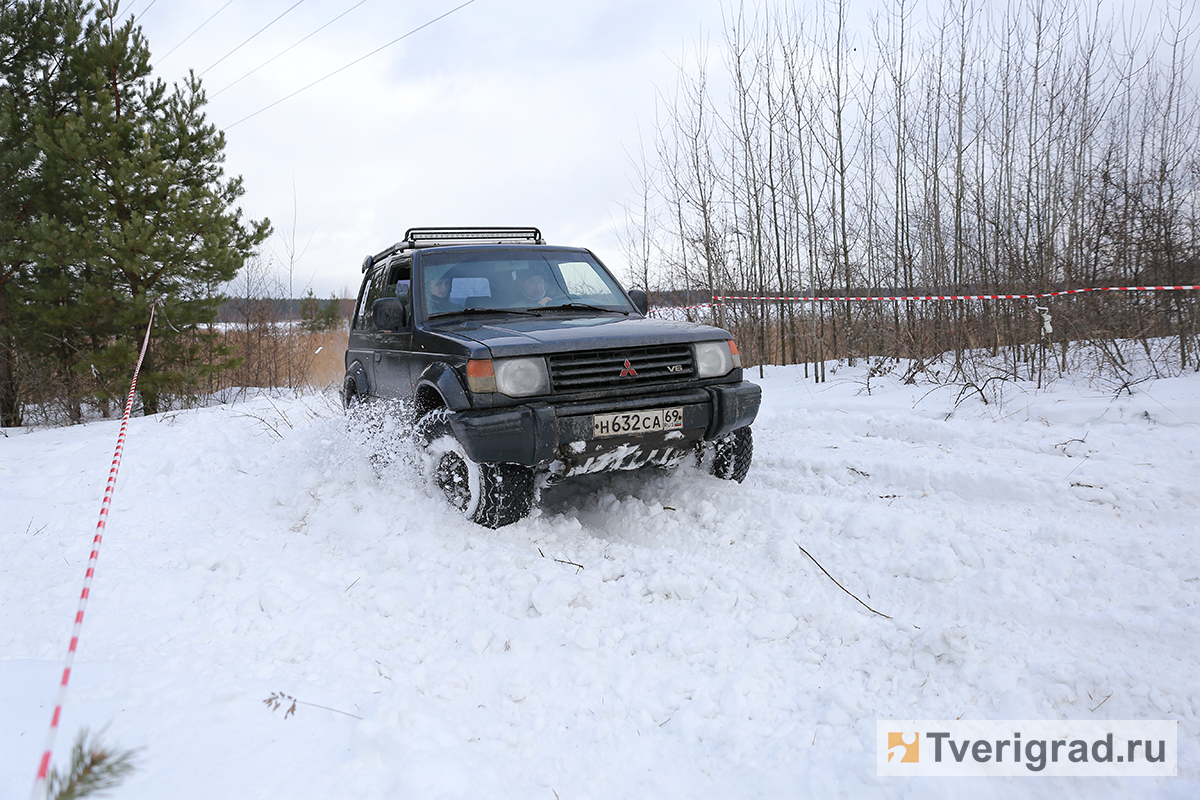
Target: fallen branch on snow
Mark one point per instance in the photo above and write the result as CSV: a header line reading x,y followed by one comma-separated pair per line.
x,y
843,588
276,700
561,561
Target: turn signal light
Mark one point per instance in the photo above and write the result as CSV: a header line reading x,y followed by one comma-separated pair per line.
x,y
481,376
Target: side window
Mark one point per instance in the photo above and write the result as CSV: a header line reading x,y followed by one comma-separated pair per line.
x,y
400,284
374,291
403,290
360,311
389,280
399,272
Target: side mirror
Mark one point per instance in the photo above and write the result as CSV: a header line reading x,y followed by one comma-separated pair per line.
x,y
388,314
641,300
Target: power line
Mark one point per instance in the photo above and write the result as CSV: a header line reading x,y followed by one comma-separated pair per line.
x,y
193,33
260,30
352,63
302,41
144,10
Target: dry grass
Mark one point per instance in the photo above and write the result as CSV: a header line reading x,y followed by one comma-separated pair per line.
x,y
285,356
327,365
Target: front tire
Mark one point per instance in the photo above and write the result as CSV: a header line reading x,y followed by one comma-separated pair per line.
x,y
729,457
487,493
350,396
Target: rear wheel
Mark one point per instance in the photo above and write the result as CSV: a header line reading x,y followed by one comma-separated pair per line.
x,y
729,457
489,494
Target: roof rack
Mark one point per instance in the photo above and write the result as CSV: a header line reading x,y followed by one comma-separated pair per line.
x,y
434,237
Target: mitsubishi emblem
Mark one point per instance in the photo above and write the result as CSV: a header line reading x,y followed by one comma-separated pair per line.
x,y
629,370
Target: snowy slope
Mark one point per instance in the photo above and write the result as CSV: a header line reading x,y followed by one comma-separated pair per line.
x,y
642,635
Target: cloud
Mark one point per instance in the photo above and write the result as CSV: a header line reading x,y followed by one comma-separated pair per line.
x,y
501,113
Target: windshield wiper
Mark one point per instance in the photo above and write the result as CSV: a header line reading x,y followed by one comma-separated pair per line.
x,y
590,307
481,310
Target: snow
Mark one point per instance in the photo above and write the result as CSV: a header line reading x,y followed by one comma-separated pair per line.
x,y
642,634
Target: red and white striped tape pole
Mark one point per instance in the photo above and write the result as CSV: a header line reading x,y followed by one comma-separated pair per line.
x,y
44,766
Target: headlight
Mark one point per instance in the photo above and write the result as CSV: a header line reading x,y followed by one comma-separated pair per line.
x,y
714,359
521,377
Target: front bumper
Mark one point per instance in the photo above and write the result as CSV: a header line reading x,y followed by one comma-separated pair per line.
x,y
540,434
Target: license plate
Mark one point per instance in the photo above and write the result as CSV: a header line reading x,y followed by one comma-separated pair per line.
x,y
635,422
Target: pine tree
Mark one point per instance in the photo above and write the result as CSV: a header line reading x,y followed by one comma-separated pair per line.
x,y
134,209
36,85
319,315
310,310
331,313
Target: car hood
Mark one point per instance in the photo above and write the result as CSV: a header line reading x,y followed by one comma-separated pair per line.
x,y
553,333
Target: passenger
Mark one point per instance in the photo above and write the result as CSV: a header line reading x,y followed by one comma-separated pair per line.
x,y
534,289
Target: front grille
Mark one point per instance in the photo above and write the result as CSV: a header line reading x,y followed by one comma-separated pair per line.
x,y
629,368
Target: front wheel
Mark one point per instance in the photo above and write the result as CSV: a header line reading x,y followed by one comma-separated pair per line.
x,y
488,494
729,457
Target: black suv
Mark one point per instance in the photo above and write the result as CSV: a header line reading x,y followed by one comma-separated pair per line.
x,y
523,363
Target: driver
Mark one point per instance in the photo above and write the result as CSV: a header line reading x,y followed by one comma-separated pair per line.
x,y
438,299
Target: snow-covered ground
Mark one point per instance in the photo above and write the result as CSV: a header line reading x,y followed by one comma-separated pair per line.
x,y
642,635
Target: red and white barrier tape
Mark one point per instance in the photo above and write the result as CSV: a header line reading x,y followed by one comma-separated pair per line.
x,y
684,308
44,766
721,298
967,296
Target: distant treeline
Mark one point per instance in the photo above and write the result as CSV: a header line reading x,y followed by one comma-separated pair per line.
x,y
980,148
233,310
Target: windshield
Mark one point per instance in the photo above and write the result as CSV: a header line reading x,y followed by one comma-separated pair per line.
x,y
517,280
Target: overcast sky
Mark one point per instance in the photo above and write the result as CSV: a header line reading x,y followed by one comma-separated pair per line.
x,y
505,112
